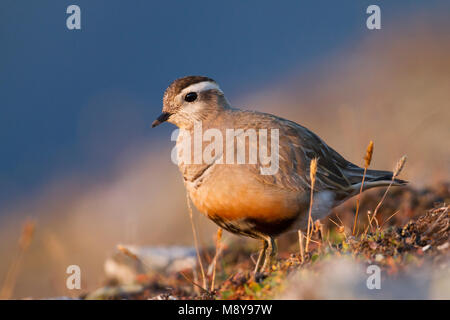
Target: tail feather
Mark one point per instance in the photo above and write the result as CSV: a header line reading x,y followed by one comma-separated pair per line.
x,y
380,175
378,178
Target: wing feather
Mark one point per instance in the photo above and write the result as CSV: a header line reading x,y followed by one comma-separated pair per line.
x,y
297,147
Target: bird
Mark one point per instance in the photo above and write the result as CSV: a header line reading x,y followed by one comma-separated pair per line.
x,y
238,197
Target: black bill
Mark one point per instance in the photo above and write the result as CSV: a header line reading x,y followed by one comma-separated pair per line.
x,y
162,118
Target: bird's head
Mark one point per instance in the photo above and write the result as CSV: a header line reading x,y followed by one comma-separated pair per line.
x,y
190,99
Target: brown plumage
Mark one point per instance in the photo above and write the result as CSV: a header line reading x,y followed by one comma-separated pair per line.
x,y
237,196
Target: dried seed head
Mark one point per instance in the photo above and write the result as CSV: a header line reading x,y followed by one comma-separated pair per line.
x,y
368,156
399,166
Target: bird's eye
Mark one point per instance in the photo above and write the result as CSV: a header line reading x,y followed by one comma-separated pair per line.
x,y
190,97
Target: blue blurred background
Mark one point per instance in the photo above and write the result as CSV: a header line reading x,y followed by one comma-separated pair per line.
x,y
71,101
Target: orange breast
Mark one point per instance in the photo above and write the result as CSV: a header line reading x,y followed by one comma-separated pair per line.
x,y
234,195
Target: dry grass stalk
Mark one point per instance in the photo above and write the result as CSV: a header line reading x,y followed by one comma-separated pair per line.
x,y
318,227
25,240
370,219
323,235
312,176
132,255
218,238
390,217
197,249
374,218
340,227
337,225
367,160
127,252
314,241
398,168
197,288
196,285
300,243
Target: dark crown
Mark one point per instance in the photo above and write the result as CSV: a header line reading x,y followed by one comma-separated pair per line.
x,y
179,84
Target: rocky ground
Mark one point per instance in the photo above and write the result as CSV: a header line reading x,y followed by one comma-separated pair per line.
x,y
407,242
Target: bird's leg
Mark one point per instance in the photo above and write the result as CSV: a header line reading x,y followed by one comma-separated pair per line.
x,y
261,257
271,252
